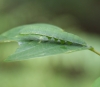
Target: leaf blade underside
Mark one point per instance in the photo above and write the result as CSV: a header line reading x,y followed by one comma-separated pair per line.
x,y
28,50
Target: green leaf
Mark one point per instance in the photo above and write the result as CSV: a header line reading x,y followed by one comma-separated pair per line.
x,y
97,83
51,32
39,40
33,49
13,34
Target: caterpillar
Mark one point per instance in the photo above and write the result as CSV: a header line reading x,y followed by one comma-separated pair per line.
x,y
51,32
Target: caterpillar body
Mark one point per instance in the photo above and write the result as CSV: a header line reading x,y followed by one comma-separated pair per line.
x,y
51,32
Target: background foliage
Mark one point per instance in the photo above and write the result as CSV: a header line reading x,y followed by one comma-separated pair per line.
x,y
78,69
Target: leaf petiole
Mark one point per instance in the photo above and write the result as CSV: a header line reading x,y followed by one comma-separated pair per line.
x,y
93,50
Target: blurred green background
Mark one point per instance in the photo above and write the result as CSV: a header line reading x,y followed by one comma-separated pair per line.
x,y
79,69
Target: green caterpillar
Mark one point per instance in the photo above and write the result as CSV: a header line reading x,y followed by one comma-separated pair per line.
x,y
51,32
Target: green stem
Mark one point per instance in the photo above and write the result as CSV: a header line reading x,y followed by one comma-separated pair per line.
x,y
93,50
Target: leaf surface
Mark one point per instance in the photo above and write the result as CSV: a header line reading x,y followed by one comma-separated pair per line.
x,y
40,40
31,49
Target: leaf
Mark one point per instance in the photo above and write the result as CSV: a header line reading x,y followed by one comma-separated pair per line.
x,y
97,83
39,40
51,32
13,34
32,49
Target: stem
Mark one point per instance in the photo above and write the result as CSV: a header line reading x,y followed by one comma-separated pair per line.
x,y
93,50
